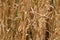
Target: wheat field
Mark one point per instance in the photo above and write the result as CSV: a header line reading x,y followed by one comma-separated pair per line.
x,y
29,19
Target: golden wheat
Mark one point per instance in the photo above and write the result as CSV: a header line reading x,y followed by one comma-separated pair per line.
x,y
29,20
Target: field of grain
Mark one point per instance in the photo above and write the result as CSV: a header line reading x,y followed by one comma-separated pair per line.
x,y
29,19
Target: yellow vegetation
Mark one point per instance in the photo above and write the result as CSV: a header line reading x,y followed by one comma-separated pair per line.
x,y
29,20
